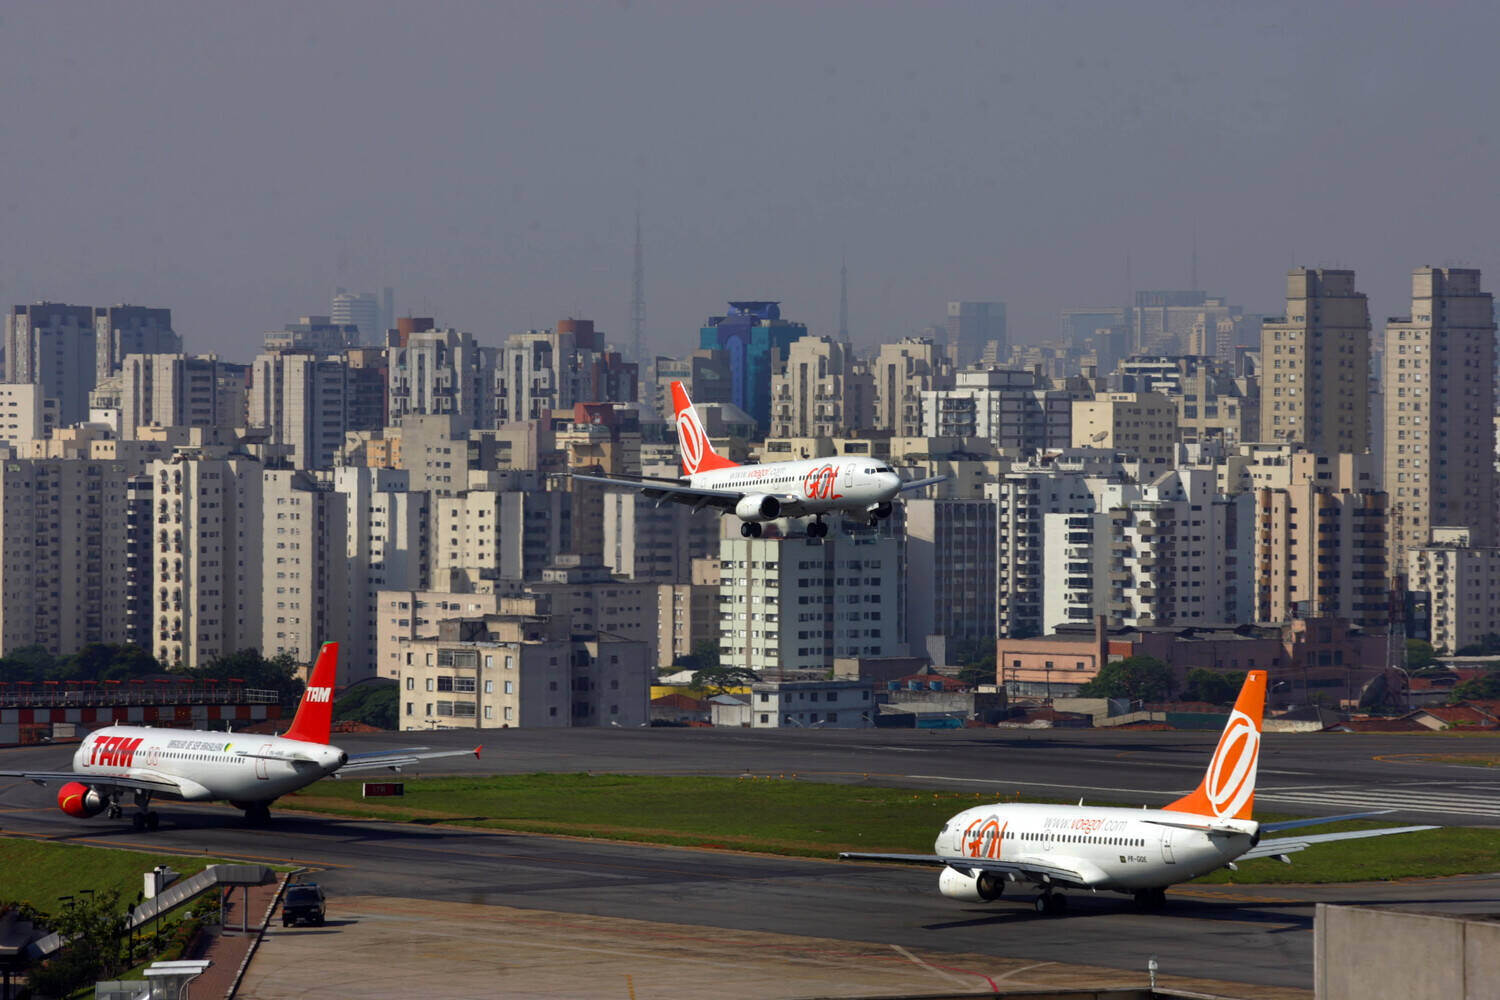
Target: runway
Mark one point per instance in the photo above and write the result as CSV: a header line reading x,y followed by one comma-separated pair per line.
x,y
1239,933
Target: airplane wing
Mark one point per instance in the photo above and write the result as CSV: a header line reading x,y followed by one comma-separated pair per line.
x,y
917,484
395,760
662,491
158,786
1277,847
1029,870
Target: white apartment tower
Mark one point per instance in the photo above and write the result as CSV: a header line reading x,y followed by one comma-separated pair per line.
x,y
304,400
790,603
305,594
902,372
1439,402
1315,363
173,390
819,391
62,553
207,553
441,372
1023,497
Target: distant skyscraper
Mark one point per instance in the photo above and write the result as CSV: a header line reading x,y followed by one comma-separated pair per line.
x,y
360,309
971,327
756,338
125,330
844,302
318,334
53,345
1439,398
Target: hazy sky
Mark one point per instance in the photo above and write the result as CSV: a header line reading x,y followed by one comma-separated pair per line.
x,y
236,161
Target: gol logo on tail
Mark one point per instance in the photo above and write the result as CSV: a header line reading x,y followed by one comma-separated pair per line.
x,y
1231,775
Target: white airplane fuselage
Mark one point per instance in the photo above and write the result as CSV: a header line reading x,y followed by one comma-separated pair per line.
x,y
1118,849
205,764
819,485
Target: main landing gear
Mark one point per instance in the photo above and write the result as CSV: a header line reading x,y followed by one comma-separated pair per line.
x,y
1150,899
817,529
257,814
750,529
1051,904
145,817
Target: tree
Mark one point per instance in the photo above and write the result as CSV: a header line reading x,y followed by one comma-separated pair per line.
x,y
95,925
1212,686
976,658
719,679
705,655
374,703
1419,654
1480,688
1139,678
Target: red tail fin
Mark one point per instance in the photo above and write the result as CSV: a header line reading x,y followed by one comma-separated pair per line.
x,y
314,718
1228,789
698,453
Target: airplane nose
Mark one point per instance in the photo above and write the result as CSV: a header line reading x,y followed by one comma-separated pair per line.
x,y
891,481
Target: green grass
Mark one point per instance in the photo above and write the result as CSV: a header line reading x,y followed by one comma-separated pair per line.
x,y
784,816
37,873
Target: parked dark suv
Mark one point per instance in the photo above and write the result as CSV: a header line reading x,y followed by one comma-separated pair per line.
x,y
303,904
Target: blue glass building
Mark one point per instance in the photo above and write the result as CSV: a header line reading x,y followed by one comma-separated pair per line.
x,y
754,335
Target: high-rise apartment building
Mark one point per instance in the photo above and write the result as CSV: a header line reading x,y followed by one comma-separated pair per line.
x,y
303,399
975,328
175,390
787,604
504,526
704,374
305,591
1464,585
1315,364
208,555
951,572
315,335
53,346
1023,497
62,553
1439,406
1142,425
820,391
120,331
1008,407
440,372
902,372
25,413
654,542
756,339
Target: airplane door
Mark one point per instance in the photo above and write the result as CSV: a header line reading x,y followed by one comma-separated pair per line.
x,y
260,763
1166,846
849,476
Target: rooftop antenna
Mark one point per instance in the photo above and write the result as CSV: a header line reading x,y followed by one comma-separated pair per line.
x,y
638,298
843,298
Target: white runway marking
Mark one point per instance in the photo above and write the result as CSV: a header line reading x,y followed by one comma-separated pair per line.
x,y
1476,802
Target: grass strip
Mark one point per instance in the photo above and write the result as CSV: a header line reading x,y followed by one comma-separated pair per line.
x,y
777,815
38,872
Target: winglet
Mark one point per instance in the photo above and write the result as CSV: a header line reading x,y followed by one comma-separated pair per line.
x,y
697,450
1228,788
477,749
314,719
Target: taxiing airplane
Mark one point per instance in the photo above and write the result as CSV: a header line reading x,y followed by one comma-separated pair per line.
x,y
1138,851
250,772
849,484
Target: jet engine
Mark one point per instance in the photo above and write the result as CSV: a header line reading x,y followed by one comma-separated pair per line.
x,y
882,509
977,888
77,799
758,507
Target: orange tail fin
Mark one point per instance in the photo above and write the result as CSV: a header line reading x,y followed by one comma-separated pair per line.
x,y
1228,789
314,719
698,453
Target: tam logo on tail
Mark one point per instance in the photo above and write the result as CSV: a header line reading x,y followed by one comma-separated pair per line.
x,y
314,719
1227,790
698,453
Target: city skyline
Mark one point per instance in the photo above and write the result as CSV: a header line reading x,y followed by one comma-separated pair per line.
x,y
236,167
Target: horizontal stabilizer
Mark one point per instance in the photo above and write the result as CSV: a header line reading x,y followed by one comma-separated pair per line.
x,y
1286,845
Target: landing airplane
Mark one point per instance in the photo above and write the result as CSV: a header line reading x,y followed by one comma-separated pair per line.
x,y
849,484
1137,851
196,766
